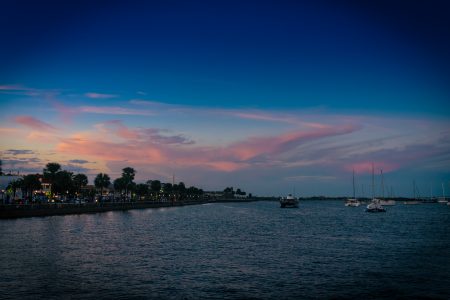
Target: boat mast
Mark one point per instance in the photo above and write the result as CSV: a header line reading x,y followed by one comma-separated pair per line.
x,y
354,197
373,187
414,190
382,184
443,191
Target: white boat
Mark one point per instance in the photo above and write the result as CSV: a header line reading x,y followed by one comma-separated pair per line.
x,y
353,202
411,202
289,201
374,205
387,202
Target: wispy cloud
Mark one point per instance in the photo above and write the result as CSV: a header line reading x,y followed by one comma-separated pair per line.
x,y
19,89
19,152
147,145
114,110
93,95
12,87
310,177
34,123
78,161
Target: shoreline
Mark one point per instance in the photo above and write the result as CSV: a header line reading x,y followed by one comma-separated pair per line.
x,y
12,211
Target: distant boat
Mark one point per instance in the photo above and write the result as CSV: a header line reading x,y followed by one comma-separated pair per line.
x,y
375,205
415,201
289,201
383,201
442,200
411,202
353,202
388,202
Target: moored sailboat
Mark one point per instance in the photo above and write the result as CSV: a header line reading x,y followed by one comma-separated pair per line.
x,y
375,205
442,200
353,202
383,201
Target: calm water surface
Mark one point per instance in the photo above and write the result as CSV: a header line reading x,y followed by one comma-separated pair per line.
x,y
232,251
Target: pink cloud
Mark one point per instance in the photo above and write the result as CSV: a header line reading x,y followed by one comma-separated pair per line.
x,y
157,149
100,96
7,130
366,166
114,110
12,87
279,144
117,128
34,123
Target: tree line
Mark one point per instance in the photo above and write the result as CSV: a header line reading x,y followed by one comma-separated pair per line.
x,y
66,184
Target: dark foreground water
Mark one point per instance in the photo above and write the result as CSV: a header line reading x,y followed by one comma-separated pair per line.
x,y
230,251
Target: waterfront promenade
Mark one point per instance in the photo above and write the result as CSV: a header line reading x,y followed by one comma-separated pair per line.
x,y
11,211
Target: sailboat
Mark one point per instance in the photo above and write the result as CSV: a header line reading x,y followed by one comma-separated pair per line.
x,y
443,200
415,201
385,202
375,205
352,202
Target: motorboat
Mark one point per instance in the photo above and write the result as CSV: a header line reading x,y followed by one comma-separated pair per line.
x,y
289,201
351,202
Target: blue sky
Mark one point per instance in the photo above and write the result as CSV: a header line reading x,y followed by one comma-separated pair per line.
x,y
227,76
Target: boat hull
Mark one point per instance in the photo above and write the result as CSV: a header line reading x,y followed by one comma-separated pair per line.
x,y
352,203
288,203
375,207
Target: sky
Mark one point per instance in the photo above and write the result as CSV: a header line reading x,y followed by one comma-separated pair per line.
x,y
268,96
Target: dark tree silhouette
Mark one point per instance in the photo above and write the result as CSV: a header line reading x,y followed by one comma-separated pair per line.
x,y
128,177
155,186
141,190
50,171
30,183
79,181
63,183
102,181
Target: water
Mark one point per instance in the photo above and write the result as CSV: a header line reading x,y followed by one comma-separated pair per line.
x,y
232,251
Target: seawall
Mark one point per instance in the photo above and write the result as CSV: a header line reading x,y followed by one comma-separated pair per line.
x,y
41,210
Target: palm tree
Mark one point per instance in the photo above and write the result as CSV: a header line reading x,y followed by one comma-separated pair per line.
x,y
155,186
30,183
50,171
119,185
79,181
102,181
141,190
63,183
128,177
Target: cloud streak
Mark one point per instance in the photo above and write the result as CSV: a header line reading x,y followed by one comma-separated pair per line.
x,y
114,110
34,123
93,95
147,145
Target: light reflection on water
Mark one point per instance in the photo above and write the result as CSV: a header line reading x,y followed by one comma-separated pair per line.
x,y
234,251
